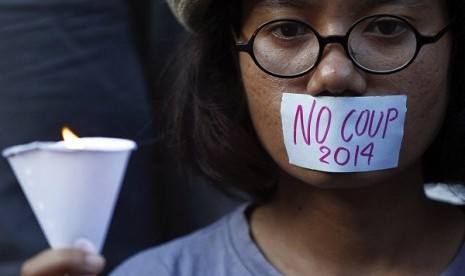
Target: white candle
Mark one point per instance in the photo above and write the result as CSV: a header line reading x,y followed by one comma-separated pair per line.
x,y
72,187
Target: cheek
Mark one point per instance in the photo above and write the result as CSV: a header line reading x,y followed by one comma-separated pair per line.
x,y
427,98
264,95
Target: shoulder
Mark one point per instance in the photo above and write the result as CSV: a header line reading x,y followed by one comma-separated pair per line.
x,y
457,266
209,251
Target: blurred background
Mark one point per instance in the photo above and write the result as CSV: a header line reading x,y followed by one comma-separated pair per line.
x,y
94,66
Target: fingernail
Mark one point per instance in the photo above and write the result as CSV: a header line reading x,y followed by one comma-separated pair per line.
x,y
94,261
85,244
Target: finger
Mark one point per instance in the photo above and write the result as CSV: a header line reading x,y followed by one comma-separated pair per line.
x,y
85,244
63,261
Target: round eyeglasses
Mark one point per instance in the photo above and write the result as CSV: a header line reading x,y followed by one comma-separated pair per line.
x,y
378,44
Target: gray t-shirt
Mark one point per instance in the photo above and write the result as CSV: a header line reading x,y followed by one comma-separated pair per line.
x,y
224,248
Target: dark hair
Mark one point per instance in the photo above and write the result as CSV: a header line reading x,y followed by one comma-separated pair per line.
x,y
208,121
211,127
444,162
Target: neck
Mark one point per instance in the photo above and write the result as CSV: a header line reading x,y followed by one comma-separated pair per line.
x,y
353,226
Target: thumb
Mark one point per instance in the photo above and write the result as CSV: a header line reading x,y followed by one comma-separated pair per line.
x,y
85,245
82,259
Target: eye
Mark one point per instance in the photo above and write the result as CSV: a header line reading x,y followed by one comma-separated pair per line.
x,y
289,30
386,27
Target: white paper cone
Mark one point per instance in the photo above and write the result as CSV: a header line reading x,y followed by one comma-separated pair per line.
x,y
72,192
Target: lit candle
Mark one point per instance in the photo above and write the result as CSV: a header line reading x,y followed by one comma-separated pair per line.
x,y
72,185
70,139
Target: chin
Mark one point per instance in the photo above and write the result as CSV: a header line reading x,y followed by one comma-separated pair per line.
x,y
332,180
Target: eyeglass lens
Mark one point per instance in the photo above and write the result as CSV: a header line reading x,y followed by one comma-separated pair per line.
x,y
382,44
288,47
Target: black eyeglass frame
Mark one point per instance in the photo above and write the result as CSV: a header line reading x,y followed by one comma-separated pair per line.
x,y
421,40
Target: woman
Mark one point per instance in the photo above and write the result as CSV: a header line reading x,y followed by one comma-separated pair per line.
x,y
382,78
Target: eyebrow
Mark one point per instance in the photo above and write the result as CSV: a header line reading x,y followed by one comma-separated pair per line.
x,y
413,4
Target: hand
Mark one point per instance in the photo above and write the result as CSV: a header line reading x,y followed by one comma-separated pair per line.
x,y
80,260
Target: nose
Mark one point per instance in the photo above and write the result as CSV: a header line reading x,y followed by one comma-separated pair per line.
x,y
336,74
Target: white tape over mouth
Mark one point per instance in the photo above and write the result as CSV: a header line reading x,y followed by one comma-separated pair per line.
x,y
343,134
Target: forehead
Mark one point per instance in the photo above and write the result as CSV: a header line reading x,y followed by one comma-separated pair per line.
x,y
413,5
417,10
418,4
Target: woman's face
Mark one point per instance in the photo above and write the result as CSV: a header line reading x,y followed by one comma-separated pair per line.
x,y
424,82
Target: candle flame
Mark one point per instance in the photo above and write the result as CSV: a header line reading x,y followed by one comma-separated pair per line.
x,y
68,134
70,139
